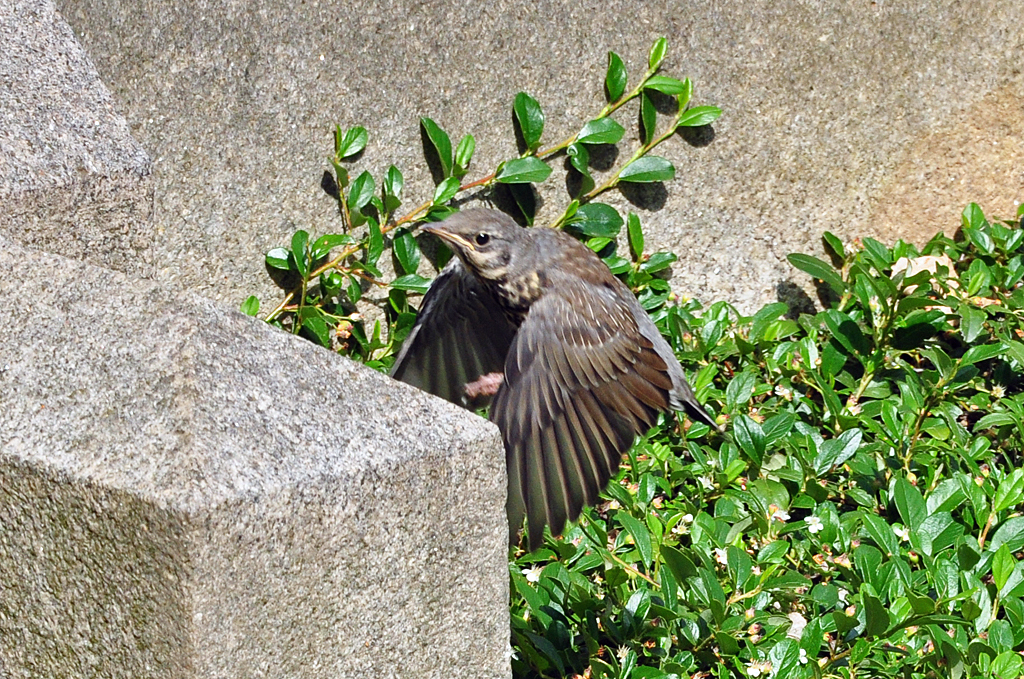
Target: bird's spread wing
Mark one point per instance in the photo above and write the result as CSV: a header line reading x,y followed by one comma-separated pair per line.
x,y
460,334
581,381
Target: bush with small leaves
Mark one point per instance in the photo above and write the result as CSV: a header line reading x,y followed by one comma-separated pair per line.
x,y
862,516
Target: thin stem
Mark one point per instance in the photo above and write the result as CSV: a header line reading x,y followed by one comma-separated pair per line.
x,y
298,308
984,531
368,279
280,307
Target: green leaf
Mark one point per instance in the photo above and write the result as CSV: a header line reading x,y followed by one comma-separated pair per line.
x,y
441,143
938,532
615,78
683,98
1003,564
1009,533
361,191
785,659
411,282
374,243
750,438
407,251
648,169
641,538
699,116
981,239
879,255
876,615
666,85
881,532
324,244
971,321
299,240
446,190
579,157
393,182
739,390
636,236
251,306
648,119
766,315
597,220
464,155
682,566
317,328
523,171
530,118
818,269
909,503
657,54
1006,665
1010,492
973,217
982,353
601,131
658,262
351,142
340,172
280,258
834,244
835,452
848,334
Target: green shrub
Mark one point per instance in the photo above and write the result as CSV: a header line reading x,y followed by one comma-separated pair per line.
x,y
861,517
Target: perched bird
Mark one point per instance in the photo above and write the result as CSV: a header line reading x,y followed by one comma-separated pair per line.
x,y
585,368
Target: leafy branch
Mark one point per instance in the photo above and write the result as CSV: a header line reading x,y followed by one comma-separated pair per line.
x,y
325,278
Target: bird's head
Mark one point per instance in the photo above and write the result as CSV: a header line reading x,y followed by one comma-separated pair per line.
x,y
485,240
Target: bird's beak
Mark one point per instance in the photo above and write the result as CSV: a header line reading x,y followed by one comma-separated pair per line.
x,y
450,237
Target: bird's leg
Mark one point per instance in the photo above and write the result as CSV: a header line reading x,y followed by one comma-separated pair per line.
x,y
485,385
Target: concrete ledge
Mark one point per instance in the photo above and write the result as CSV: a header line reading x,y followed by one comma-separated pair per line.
x,y
186,492
72,178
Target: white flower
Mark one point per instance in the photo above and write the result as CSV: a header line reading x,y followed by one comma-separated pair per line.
x,y
722,556
814,525
902,532
842,595
622,653
532,574
757,668
796,627
774,512
784,392
998,391
705,481
683,525
803,657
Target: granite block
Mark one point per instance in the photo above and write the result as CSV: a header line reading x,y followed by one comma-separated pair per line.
x,y
188,492
72,179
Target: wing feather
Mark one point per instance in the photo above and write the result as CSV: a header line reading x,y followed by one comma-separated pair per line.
x,y
460,334
572,403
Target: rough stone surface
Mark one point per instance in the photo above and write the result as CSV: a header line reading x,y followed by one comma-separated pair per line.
x,y
824,103
978,158
72,178
187,492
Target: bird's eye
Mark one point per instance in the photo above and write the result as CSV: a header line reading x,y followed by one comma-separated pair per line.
x,y
482,238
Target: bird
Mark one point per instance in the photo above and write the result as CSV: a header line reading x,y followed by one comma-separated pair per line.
x,y
582,368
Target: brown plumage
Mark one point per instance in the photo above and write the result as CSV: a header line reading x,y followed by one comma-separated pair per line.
x,y
585,368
